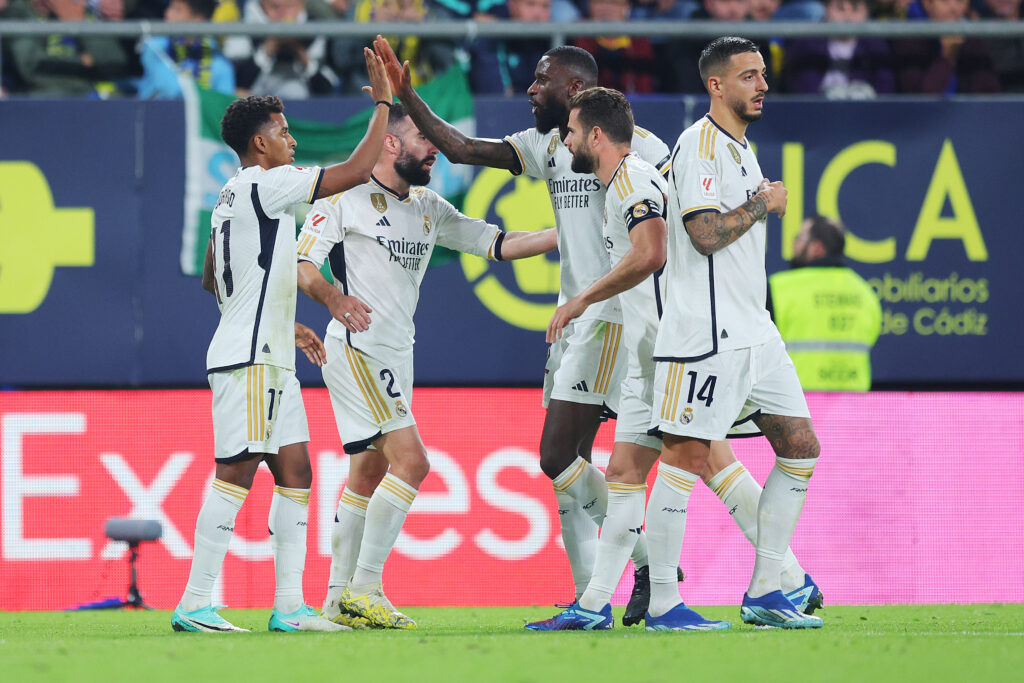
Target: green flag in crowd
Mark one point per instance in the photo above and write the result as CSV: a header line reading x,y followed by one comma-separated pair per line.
x,y
209,162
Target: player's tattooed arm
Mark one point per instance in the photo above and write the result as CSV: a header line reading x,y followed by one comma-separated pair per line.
x,y
710,231
453,143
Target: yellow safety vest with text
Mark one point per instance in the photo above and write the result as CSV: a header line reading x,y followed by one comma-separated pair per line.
x,y
829,318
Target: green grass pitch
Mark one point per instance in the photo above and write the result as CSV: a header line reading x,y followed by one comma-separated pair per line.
x,y
890,643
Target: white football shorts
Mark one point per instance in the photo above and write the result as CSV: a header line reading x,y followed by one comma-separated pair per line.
x,y
634,420
370,396
705,399
256,409
586,365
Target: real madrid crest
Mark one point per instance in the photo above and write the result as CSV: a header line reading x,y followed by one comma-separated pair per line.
x,y
400,409
735,154
640,210
553,145
379,201
426,225
687,416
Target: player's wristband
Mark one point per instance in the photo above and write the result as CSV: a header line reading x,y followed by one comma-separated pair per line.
x,y
386,104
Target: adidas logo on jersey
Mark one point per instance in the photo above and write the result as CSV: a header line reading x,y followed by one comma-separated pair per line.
x,y
383,222
266,348
725,335
551,162
581,386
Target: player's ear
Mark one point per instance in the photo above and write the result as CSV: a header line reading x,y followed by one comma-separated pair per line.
x,y
575,86
714,85
259,143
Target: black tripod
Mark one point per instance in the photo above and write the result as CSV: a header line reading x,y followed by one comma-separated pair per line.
x,y
133,532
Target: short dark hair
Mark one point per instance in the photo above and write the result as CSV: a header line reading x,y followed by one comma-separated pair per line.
x,y
719,51
607,109
829,232
244,118
396,115
202,8
577,60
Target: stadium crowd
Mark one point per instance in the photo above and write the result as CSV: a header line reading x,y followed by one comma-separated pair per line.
x,y
841,68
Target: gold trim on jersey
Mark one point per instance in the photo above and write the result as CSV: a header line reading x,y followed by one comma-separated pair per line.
x,y
333,199
620,180
319,178
391,193
609,352
673,382
399,488
306,242
714,207
642,132
708,137
519,154
371,394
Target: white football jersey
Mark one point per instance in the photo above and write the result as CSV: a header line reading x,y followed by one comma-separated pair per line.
x,y
578,203
712,303
253,231
637,193
378,244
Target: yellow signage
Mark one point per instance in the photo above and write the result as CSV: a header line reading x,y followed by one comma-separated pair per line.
x,y
36,237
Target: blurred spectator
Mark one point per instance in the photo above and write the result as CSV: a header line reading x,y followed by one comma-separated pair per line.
x,y
65,65
763,10
948,65
507,66
1007,53
624,63
839,68
427,57
889,9
678,69
663,10
287,67
799,10
164,57
827,314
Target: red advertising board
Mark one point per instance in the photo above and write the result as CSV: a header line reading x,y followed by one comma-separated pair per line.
x,y
917,498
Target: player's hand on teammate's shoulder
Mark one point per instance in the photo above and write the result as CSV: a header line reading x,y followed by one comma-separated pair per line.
x,y
399,74
379,88
352,313
564,314
775,195
310,344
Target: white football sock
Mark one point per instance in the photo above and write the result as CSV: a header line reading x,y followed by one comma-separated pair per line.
x,y
584,482
666,525
385,515
623,525
289,510
740,493
579,536
777,514
214,526
346,538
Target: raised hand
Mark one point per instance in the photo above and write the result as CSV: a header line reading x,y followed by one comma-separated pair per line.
x,y
399,75
379,88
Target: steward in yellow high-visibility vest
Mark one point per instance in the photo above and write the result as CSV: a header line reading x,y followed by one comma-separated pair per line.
x,y
828,315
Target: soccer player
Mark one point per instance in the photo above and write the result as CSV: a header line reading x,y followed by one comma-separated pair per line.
x,y
258,414
599,133
720,359
378,239
584,367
